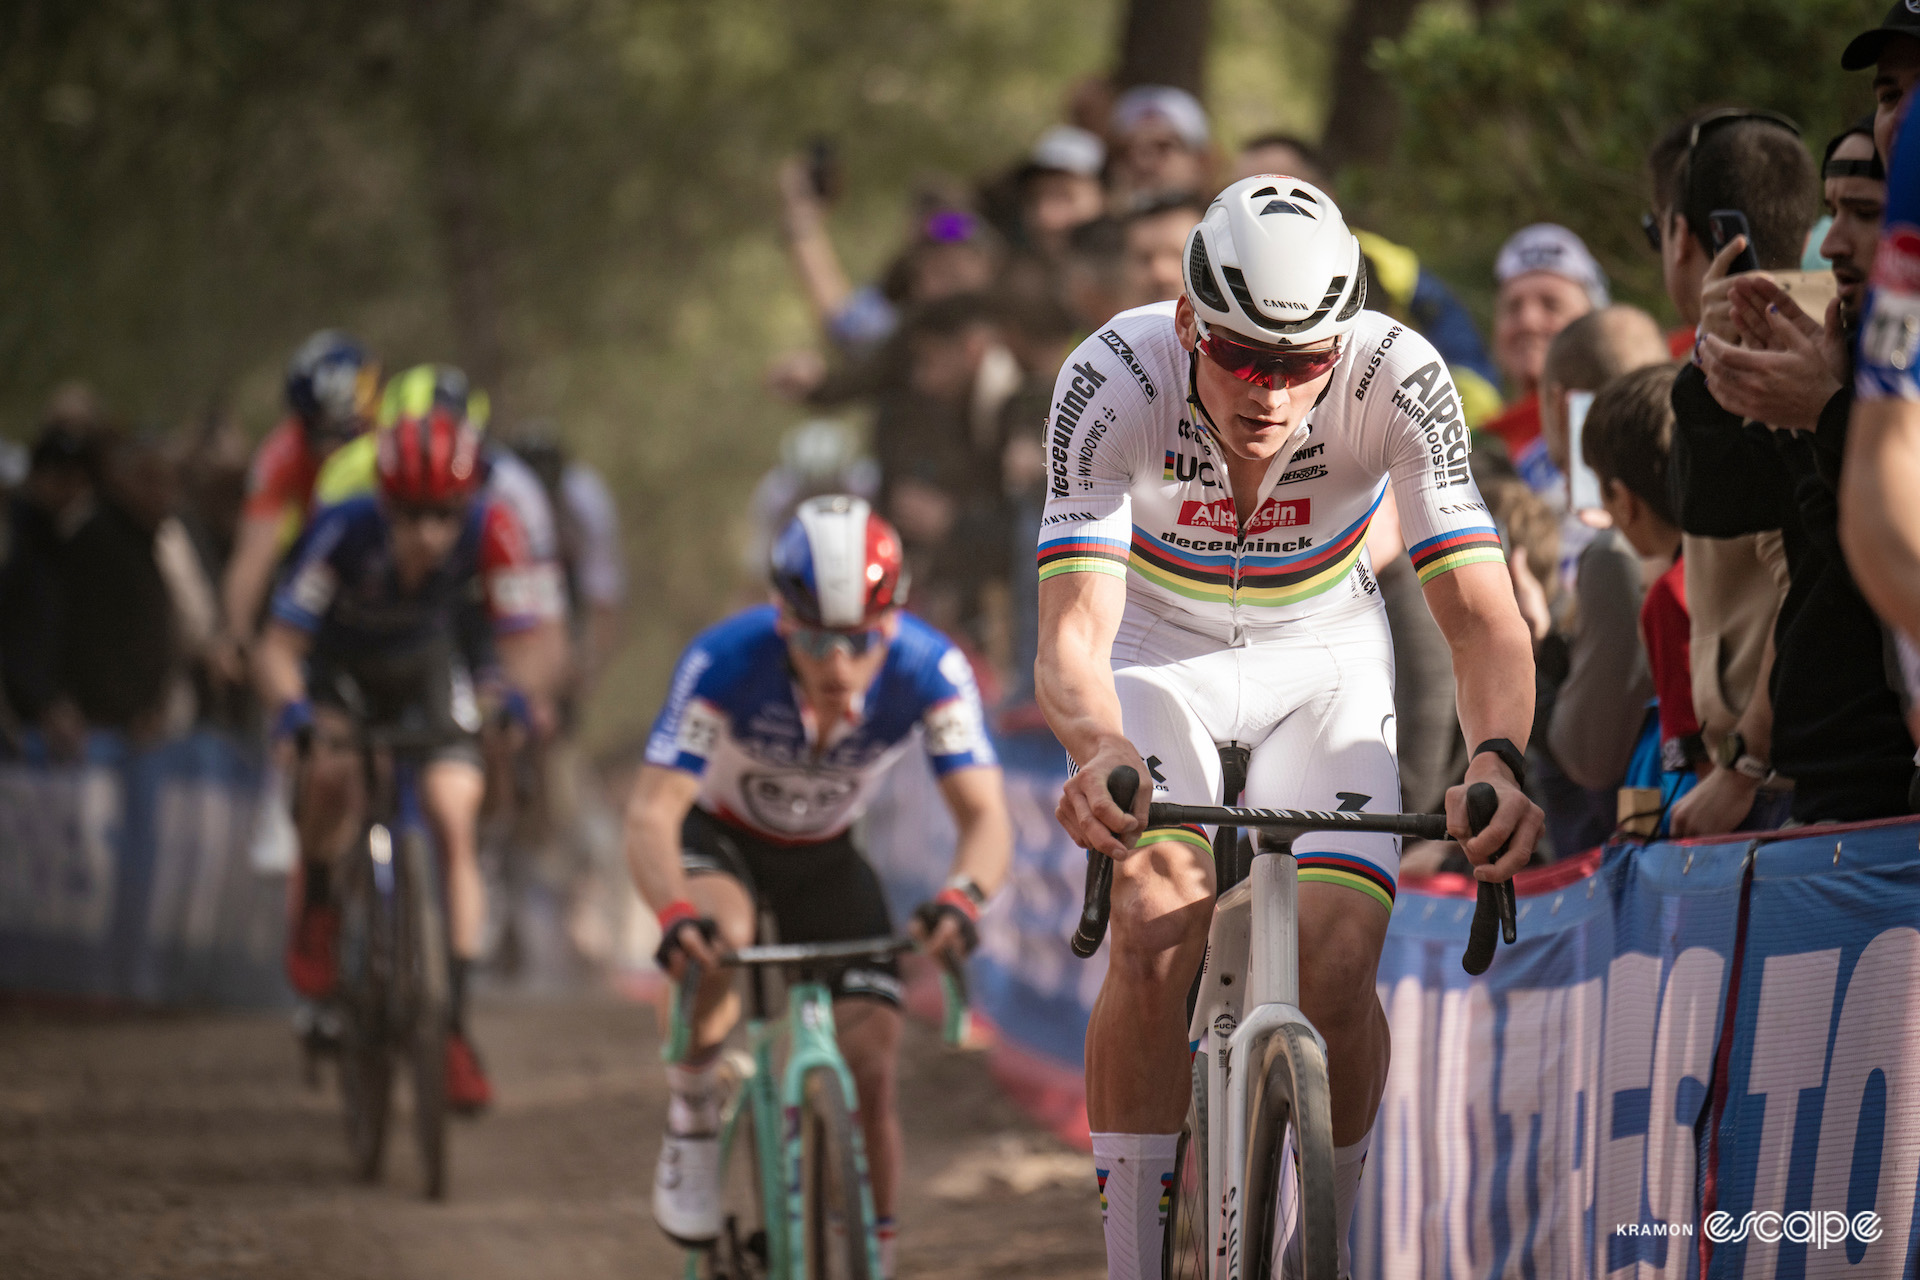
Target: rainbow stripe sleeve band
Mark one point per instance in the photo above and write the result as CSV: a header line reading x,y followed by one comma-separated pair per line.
x,y
1448,551
1349,872
1081,553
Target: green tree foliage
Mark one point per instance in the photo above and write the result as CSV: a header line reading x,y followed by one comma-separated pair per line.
x,y
1544,110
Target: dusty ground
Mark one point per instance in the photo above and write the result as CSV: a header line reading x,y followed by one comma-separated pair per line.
x,y
185,1147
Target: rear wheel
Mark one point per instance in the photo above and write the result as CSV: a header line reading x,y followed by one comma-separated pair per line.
x,y
366,971
834,1218
1290,1155
427,1004
1187,1249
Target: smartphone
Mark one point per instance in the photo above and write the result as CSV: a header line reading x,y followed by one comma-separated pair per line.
x,y
823,167
1583,486
1723,225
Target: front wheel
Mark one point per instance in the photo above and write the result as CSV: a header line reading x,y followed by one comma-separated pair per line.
x,y
1290,1164
365,987
1186,1250
742,1251
834,1210
428,1004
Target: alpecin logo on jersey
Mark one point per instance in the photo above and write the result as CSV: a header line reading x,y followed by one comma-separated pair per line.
x,y
1117,345
1435,408
1067,411
1275,514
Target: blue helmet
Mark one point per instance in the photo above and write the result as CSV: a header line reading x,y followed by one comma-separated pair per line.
x,y
332,384
838,564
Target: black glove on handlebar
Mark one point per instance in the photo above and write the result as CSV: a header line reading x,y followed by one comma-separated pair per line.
x,y
670,941
931,912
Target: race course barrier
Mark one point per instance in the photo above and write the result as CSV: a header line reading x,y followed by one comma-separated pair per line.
x,y
1702,1059
127,878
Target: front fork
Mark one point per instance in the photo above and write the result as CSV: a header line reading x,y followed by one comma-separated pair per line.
x,y
812,1043
1252,962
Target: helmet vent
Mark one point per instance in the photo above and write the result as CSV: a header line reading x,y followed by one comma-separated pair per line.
x,y
1357,301
1264,191
1200,276
1238,283
1282,206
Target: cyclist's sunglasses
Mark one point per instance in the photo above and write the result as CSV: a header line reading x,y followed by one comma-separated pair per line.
x,y
1265,366
820,643
1650,222
441,512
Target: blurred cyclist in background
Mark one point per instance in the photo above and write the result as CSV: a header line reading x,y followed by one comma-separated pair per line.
x,y
365,624
331,384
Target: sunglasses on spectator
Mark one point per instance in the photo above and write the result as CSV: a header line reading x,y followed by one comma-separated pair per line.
x,y
438,512
1649,222
821,643
1264,366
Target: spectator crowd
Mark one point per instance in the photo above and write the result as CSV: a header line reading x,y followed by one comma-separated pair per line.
x,y
1705,661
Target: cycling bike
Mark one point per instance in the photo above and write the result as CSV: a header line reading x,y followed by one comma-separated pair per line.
x,y
799,1145
1260,1105
394,996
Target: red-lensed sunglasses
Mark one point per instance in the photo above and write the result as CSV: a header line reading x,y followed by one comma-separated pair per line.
x,y
1264,366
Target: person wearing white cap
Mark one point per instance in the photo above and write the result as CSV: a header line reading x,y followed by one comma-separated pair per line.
x,y
1060,187
1548,280
1160,143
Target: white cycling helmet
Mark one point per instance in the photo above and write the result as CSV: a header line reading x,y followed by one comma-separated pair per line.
x,y
1273,261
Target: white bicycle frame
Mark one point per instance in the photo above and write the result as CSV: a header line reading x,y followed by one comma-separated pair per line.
x,y
1249,988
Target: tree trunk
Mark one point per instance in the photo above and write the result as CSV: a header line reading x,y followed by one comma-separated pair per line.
x,y
1165,42
1365,115
452,104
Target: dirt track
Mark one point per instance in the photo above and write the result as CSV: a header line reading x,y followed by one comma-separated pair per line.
x,y
185,1147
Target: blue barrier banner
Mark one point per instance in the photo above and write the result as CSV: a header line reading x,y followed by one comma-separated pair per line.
x,y
1821,1112
127,878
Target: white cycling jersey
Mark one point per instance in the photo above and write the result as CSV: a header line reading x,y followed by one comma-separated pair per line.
x,y
1137,488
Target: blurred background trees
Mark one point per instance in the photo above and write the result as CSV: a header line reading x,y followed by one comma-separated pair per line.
x,y
574,198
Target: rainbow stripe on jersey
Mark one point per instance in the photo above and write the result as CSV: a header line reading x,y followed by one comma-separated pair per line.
x,y
1082,553
1448,551
1270,580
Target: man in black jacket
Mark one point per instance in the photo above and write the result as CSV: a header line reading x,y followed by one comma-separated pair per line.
x,y
1761,421
41,518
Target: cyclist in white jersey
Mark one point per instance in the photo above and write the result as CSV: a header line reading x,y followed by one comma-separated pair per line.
x,y
1174,623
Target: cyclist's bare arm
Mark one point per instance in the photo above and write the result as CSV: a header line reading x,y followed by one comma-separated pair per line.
x,y
1079,616
255,549
977,799
1493,669
278,673
658,806
1879,520
535,662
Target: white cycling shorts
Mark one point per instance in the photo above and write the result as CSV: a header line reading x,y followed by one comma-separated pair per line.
x,y
1314,707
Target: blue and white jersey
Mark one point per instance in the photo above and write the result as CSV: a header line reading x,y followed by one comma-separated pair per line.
x,y
1889,360
736,719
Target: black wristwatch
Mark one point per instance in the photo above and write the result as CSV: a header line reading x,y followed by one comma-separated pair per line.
x,y
1510,755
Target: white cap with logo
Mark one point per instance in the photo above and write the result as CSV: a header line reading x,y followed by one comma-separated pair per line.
x,y
1547,246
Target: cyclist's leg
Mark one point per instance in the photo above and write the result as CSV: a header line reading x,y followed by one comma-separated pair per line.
x,y
1137,1053
451,788
1337,749
328,808
686,1189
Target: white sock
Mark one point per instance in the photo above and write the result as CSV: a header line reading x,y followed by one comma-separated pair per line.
x,y
1348,1164
693,1099
1135,1171
883,1231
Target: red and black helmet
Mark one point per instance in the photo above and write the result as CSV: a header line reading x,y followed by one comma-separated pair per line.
x,y
429,458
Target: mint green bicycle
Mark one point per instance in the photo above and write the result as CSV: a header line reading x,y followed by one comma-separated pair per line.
x,y
793,1141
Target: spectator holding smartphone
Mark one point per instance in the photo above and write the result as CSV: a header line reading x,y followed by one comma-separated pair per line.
x,y
1760,430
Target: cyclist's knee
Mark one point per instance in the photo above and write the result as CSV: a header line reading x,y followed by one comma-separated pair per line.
x,y
726,902
1340,940
869,1036
1162,902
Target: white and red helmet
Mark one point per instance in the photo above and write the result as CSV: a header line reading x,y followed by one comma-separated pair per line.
x,y
838,564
